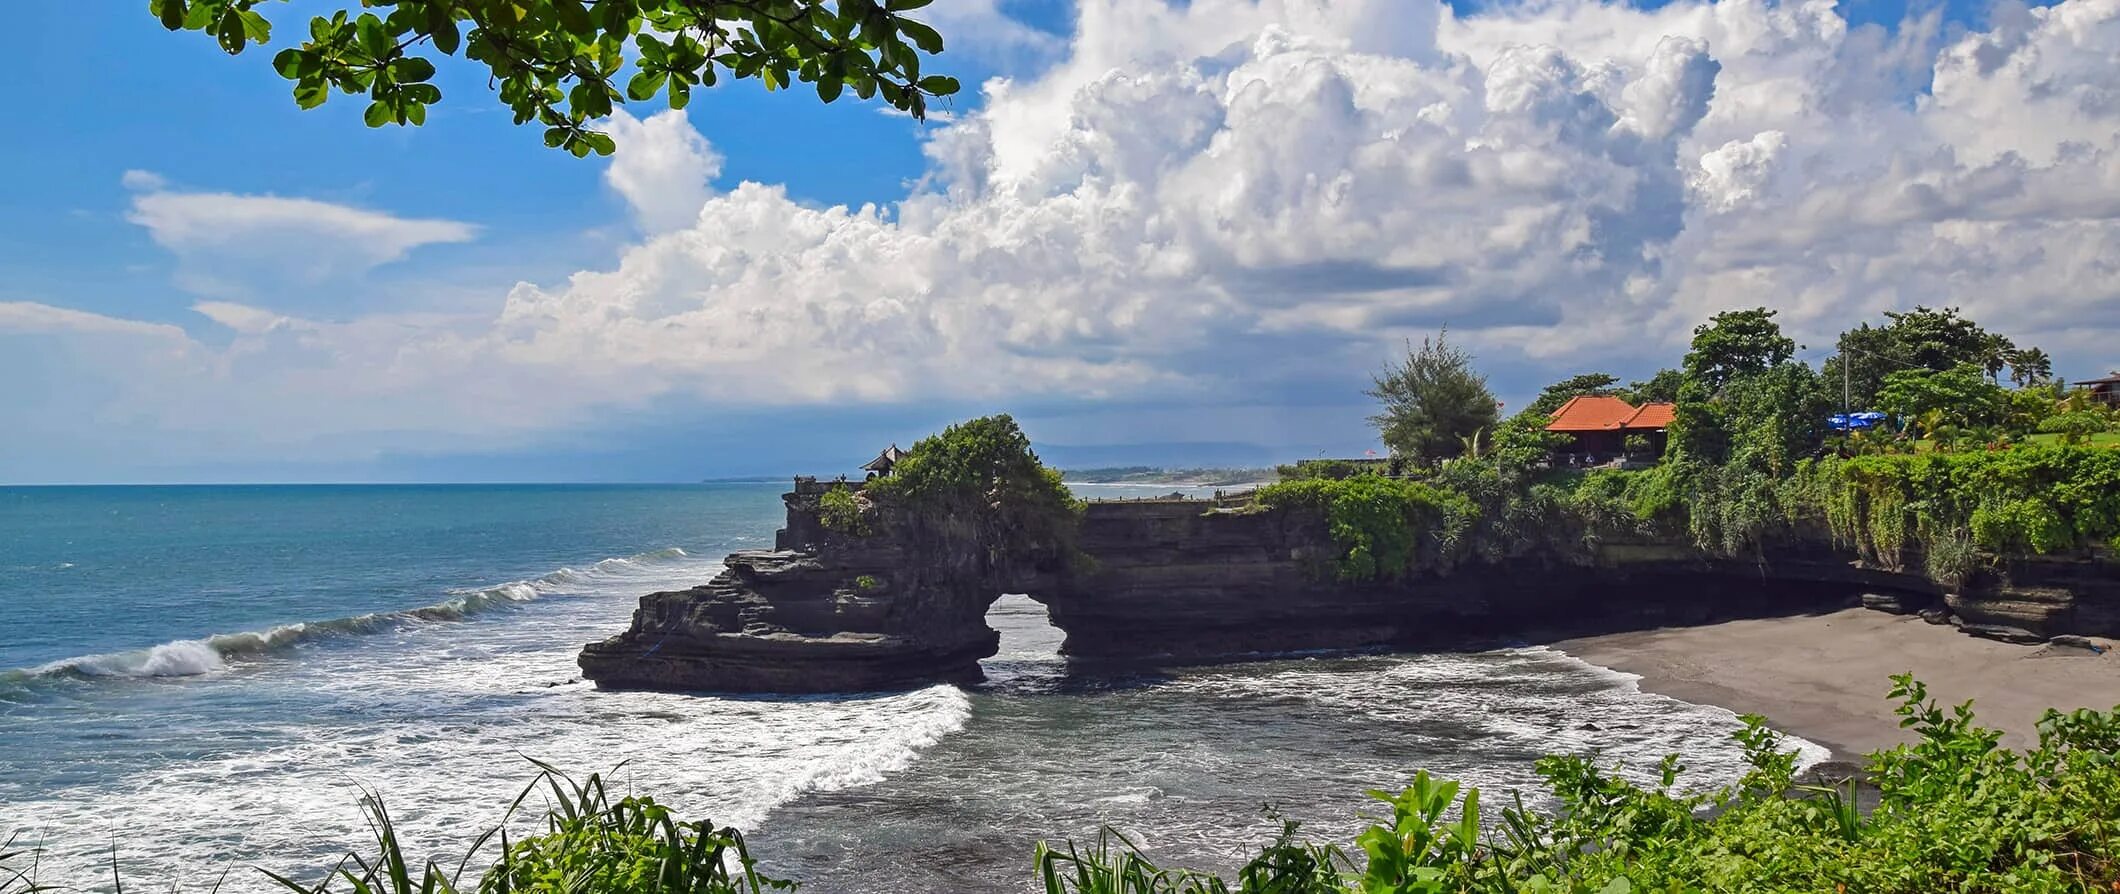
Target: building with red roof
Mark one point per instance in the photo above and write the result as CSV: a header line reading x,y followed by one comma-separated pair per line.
x,y
1599,425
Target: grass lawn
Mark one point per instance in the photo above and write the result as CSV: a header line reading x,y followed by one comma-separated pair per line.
x,y
2102,439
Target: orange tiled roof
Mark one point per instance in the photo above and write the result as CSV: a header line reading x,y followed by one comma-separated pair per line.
x,y
1654,416
1590,412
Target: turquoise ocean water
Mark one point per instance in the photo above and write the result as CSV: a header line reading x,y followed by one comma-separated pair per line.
x,y
200,679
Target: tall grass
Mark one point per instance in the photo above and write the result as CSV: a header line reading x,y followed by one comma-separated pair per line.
x,y
18,867
590,843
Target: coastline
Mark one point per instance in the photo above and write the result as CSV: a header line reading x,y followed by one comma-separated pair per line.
x,y
1823,677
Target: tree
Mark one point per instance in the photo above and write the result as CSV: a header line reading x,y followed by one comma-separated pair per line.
x,y
1736,343
1432,401
1922,338
1960,397
1552,396
556,61
1660,388
2031,366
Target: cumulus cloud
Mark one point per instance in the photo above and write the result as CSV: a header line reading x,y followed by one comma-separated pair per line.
x,y
1220,199
663,167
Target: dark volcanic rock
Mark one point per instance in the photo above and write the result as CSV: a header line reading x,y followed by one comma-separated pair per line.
x,y
820,614
1177,581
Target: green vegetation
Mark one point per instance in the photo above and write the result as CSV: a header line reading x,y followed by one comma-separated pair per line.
x,y
978,490
1955,812
557,62
1971,472
840,512
1388,528
1435,405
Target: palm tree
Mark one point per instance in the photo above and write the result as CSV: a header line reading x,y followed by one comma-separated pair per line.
x,y
2030,366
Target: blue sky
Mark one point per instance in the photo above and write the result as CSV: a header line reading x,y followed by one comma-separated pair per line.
x,y
1135,242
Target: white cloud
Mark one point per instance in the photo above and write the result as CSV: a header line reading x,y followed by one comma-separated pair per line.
x,y
663,167
1224,198
224,241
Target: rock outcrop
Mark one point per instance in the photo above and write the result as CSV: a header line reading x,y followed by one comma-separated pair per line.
x,y
819,613
1173,581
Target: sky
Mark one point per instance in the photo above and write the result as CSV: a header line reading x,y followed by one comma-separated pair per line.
x,y
1156,233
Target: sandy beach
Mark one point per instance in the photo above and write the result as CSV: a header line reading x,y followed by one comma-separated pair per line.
x,y
1824,677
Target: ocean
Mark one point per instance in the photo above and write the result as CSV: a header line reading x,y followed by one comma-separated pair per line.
x,y
202,680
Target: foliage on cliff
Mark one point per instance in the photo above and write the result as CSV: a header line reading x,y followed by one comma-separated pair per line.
x,y
978,489
2036,500
1386,528
1956,812
1435,403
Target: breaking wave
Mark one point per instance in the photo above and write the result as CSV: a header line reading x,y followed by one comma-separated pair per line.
x,y
211,654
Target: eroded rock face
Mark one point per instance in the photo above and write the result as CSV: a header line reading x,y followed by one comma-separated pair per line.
x,y
820,613
1188,581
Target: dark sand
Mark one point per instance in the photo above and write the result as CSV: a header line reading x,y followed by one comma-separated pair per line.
x,y
1824,677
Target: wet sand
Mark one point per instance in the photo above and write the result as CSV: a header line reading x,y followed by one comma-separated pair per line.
x,y
1824,677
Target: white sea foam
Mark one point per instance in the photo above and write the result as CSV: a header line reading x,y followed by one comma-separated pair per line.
x,y
211,654
440,720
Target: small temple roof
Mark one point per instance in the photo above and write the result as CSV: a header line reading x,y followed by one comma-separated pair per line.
x,y
885,460
1597,412
2110,379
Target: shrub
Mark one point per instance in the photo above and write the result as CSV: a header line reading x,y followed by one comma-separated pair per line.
x,y
838,511
976,492
1385,528
1955,812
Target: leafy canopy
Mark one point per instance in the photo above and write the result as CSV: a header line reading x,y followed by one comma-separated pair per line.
x,y
1736,343
557,62
1434,403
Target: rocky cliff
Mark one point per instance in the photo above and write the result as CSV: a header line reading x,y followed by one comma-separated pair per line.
x,y
1188,581
821,612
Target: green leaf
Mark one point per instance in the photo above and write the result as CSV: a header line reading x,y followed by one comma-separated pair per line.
x,y
828,89
923,35
416,113
310,93
573,17
906,5
600,142
377,115
171,12
644,85
374,41
446,36
254,25
680,93
554,136
652,50
289,63
411,70
231,33
1618,885
939,85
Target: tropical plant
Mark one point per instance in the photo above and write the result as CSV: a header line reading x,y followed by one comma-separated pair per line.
x,y
1432,400
841,512
590,843
1736,343
977,493
18,867
557,62
1954,400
